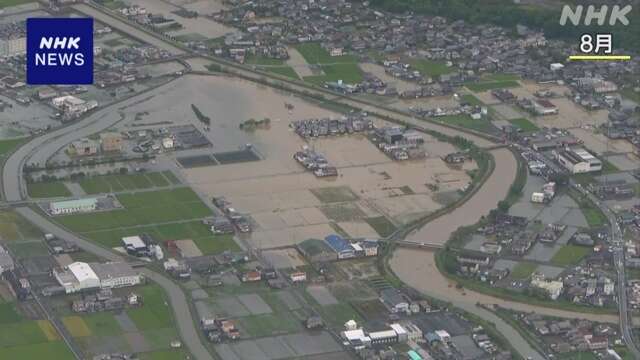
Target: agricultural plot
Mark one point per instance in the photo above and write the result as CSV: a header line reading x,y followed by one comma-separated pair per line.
x,y
430,67
14,227
334,194
155,313
194,230
143,208
381,225
570,255
287,71
347,73
313,53
523,270
524,124
466,121
117,183
48,190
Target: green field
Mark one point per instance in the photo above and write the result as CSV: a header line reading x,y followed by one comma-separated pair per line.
x,y
348,73
102,324
21,333
523,270
490,85
52,350
570,255
430,67
7,3
8,313
471,100
339,313
313,53
269,325
524,124
282,70
14,227
142,208
502,77
381,225
594,216
194,230
631,95
117,183
466,121
7,146
155,312
48,189
261,60
23,249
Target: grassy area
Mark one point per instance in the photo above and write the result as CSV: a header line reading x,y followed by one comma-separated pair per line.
x,y
570,255
269,325
490,85
6,146
338,314
523,270
14,227
348,73
25,249
471,100
282,70
143,208
313,53
631,95
594,216
76,326
381,225
8,313
7,3
577,356
155,312
21,333
194,230
261,60
608,167
102,324
524,124
466,121
430,67
52,350
502,77
126,182
48,189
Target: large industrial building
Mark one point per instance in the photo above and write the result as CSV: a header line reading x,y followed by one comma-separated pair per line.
x,y
578,160
79,276
73,206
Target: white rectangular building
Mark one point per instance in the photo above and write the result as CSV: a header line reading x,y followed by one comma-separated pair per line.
x,y
578,160
79,276
73,206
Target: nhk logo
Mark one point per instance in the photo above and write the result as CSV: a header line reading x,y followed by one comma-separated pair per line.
x,y
59,51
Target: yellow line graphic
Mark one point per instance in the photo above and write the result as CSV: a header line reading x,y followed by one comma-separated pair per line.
x,y
599,57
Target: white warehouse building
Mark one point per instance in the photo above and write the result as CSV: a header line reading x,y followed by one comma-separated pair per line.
x,y
79,276
578,160
73,206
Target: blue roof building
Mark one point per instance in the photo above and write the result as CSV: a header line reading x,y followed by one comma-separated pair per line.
x,y
341,246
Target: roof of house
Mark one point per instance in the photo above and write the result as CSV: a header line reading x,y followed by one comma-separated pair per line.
x,y
338,243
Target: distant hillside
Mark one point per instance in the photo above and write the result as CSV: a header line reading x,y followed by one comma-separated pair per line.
x,y
543,14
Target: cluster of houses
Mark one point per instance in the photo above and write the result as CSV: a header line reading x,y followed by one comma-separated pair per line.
x,y
142,246
239,221
104,300
473,111
219,329
564,336
399,143
311,128
466,47
315,162
335,247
